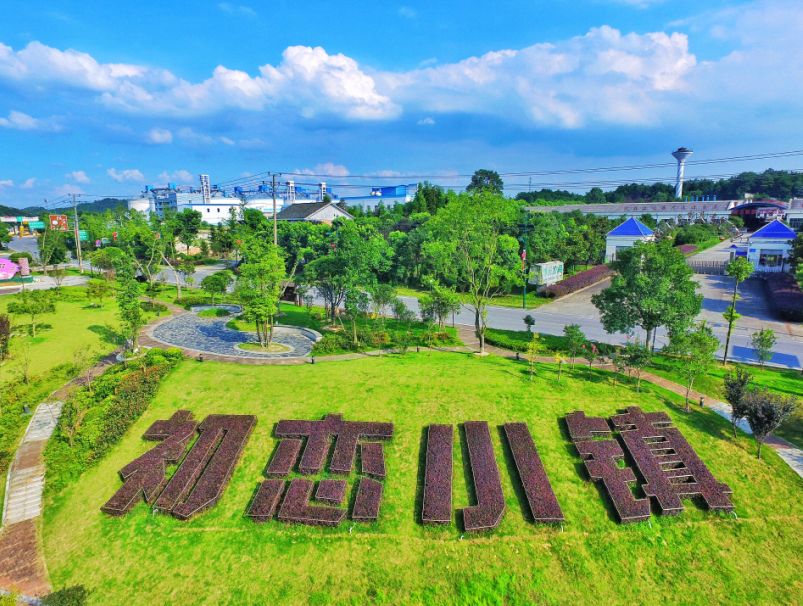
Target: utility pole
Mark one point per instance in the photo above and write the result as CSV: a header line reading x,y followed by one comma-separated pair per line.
x,y
77,237
275,224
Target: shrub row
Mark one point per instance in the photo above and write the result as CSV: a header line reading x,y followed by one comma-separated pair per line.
x,y
296,507
785,296
544,506
188,301
266,501
689,476
373,459
579,280
216,471
490,507
437,505
346,444
331,492
285,457
97,415
687,249
368,501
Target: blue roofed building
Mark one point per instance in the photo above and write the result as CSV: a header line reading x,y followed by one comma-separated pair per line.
x,y
769,249
625,236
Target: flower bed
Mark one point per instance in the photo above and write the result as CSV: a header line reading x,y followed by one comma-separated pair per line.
x,y
579,280
369,498
687,249
785,296
437,506
490,507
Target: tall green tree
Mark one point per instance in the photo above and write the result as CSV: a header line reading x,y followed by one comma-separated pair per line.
x,y
472,247
259,286
652,287
128,302
696,348
52,248
217,284
32,303
736,383
575,340
186,226
766,412
763,341
739,269
486,180
439,303
356,254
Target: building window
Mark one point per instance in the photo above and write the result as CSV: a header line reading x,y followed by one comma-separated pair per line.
x,y
770,258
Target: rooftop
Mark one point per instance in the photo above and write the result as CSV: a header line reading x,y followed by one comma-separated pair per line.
x,y
631,227
777,230
303,210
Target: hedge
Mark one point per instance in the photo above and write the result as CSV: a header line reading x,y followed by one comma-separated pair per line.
x,y
97,416
687,249
579,280
785,296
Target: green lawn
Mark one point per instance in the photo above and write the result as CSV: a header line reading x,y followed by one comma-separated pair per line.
x,y
513,299
220,557
72,338
787,382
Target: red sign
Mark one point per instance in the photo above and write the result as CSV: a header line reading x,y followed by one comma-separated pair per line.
x,y
59,222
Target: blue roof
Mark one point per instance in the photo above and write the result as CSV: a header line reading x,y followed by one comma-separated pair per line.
x,y
775,230
631,227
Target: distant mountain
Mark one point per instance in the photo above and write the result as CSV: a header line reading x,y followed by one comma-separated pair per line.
x,y
98,206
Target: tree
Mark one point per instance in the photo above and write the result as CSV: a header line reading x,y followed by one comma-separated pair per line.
x,y
32,303
97,290
696,348
739,269
534,348
186,268
472,247
356,305
218,283
440,303
575,340
144,246
186,226
382,295
529,322
259,285
52,245
486,180
105,259
560,360
357,253
763,342
653,287
128,303
637,357
736,382
766,412
5,335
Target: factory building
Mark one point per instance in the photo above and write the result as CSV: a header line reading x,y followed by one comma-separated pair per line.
x,y
387,196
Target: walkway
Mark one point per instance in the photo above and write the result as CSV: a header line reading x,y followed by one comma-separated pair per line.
x,y
23,505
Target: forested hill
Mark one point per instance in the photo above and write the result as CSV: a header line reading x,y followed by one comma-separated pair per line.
x,y
98,206
780,184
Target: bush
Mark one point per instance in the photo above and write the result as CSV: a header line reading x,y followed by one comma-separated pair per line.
x,y
69,596
785,296
579,280
153,306
214,312
97,416
686,249
15,257
188,301
695,234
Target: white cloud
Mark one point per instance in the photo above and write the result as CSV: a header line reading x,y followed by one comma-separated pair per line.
x,y
127,174
28,183
326,168
237,9
6,183
21,121
160,136
78,176
407,12
177,176
428,121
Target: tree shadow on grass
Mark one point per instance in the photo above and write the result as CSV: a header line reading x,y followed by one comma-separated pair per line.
x,y
107,334
418,511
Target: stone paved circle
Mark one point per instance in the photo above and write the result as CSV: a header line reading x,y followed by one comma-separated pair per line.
x,y
211,335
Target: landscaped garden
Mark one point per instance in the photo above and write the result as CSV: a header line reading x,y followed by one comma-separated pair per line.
x,y
221,556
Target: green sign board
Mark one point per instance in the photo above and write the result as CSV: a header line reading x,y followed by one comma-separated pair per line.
x,y
36,224
83,235
547,273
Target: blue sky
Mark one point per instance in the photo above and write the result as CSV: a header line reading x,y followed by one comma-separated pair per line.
x,y
104,98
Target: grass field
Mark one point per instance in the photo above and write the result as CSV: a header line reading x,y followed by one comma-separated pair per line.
x,y
220,557
65,341
513,299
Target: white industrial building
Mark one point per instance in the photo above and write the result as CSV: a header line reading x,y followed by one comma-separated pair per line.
x,y
386,196
216,205
769,249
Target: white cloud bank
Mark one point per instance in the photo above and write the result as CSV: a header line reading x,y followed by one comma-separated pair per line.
x,y
126,175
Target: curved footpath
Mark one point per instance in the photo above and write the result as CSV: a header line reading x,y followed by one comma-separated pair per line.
x,y
22,565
